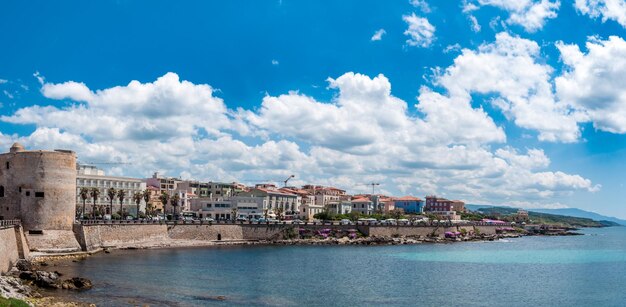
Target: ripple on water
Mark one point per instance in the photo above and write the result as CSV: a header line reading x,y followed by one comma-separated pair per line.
x,y
557,256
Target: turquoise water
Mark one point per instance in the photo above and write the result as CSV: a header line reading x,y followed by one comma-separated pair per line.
x,y
587,270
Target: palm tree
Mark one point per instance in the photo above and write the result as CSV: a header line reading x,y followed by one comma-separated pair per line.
x,y
84,194
137,197
121,194
279,212
164,198
112,193
95,193
174,201
234,212
146,197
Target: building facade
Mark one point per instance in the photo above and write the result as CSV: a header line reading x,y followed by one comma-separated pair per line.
x,y
409,204
363,205
88,176
434,203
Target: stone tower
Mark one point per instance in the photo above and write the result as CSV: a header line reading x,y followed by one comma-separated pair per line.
x,y
39,188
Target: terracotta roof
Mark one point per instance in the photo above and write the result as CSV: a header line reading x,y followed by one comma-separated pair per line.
x,y
275,192
408,197
361,200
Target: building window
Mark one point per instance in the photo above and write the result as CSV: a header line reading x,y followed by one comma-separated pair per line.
x,y
8,165
27,193
1,191
38,194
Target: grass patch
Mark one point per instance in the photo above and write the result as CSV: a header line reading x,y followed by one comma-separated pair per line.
x,y
12,302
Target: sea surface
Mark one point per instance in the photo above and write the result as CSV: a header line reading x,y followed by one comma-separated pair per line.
x,y
587,270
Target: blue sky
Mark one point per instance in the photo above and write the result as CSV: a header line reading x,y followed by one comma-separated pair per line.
x,y
525,107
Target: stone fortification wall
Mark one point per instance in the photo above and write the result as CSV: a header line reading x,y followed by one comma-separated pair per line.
x,y
97,236
205,232
12,247
8,249
39,188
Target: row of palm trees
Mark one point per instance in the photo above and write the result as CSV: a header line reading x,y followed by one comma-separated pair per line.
x,y
94,193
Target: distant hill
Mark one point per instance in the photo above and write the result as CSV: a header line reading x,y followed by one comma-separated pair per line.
x,y
573,212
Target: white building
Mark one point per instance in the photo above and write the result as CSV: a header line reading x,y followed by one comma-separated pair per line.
x,y
339,207
363,205
89,176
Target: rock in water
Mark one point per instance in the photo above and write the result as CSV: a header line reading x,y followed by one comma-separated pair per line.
x,y
48,280
77,283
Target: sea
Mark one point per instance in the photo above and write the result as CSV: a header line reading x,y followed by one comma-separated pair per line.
x,y
587,270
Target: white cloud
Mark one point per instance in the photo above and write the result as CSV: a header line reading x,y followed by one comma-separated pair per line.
x,y
422,5
2,81
275,62
441,145
475,24
511,68
8,94
420,31
529,14
378,35
594,82
68,90
607,9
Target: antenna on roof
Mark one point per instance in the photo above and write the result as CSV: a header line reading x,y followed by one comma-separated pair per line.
x,y
373,184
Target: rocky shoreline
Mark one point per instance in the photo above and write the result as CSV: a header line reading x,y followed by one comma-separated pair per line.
x,y
35,283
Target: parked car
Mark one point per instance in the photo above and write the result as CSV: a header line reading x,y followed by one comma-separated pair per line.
x,y
208,219
345,222
296,221
242,219
390,222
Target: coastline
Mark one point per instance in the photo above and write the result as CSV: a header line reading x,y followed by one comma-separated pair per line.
x,y
59,262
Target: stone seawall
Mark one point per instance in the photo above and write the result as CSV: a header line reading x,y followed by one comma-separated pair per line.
x,y
12,247
205,232
98,236
95,236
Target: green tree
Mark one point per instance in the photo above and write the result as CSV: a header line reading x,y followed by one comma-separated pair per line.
x,y
175,201
137,197
84,194
111,193
279,212
146,197
121,194
234,212
164,198
95,193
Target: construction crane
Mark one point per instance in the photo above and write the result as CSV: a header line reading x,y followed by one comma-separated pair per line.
x,y
107,163
287,180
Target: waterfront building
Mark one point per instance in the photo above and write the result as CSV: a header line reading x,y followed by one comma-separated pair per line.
x,y
325,195
308,210
363,205
434,203
89,176
164,184
216,208
155,199
339,207
522,216
210,189
274,200
409,204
